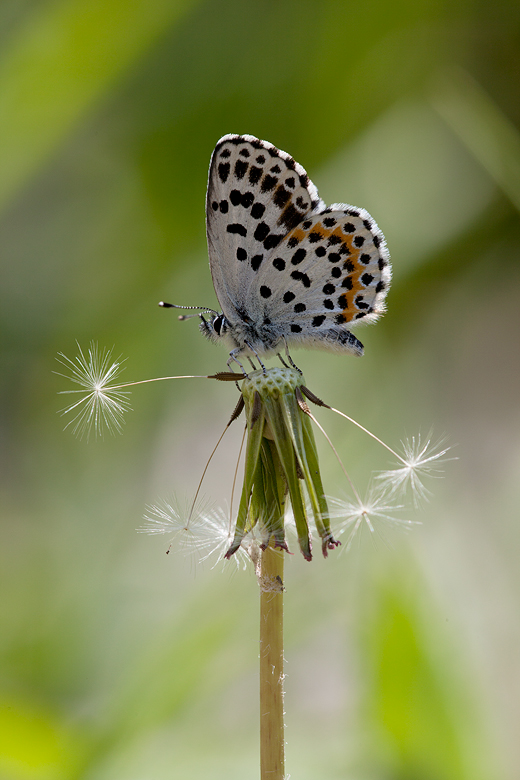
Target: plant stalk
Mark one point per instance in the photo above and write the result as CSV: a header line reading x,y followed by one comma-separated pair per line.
x,y
272,744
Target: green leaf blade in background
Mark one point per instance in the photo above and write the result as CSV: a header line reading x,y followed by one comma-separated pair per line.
x,y
64,58
419,699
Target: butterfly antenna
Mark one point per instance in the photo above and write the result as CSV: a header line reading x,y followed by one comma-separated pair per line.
x,y
187,316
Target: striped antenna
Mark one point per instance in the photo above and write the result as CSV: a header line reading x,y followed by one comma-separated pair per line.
x,y
187,316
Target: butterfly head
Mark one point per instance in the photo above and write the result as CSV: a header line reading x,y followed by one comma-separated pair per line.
x,y
214,328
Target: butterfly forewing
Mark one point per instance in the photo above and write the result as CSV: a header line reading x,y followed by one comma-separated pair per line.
x,y
256,196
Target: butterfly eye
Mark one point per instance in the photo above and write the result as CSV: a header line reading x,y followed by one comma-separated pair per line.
x,y
217,324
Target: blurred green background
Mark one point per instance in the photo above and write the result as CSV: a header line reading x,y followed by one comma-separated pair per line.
x,y
119,662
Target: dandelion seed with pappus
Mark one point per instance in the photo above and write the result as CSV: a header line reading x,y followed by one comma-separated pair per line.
x,y
102,405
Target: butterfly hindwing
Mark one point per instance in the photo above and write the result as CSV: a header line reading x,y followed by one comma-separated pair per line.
x,y
331,270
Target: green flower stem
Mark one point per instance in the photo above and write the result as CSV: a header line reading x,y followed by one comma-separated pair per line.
x,y
272,752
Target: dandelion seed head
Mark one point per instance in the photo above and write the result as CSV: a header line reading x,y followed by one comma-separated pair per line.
x,y
101,406
420,459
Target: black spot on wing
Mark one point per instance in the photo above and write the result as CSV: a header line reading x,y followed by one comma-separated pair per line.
x,y
255,174
272,241
290,217
281,196
268,183
240,168
258,210
235,227
298,256
262,231
301,277
361,303
223,172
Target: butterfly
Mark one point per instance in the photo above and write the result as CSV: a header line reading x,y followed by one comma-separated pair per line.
x,y
288,270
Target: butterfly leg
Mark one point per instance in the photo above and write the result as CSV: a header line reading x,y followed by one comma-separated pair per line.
x,y
257,356
233,358
289,358
282,361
